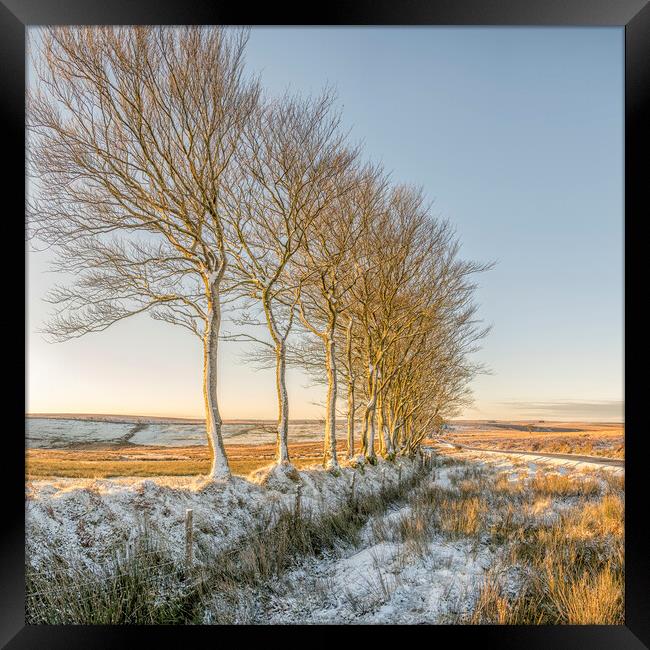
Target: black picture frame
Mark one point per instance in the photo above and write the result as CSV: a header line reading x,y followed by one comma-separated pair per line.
x,y
633,15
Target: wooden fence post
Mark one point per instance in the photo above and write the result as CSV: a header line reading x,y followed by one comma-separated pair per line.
x,y
298,499
188,539
354,478
399,477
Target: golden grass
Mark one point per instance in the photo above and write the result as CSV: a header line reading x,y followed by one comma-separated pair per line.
x,y
45,469
582,598
51,468
504,486
461,517
113,462
570,563
557,596
605,517
563,533
563,485
491,605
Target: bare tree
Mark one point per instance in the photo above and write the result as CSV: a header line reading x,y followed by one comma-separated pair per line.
x,y
383,266
132,133
429,365
349,366
168,186
327,260
294,165
410,302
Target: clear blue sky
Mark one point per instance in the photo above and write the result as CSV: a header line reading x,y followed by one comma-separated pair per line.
x,y
517,136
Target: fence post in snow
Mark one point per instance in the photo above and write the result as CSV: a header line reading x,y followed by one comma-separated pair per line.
x,y
354,478
298,495
188,539
399,477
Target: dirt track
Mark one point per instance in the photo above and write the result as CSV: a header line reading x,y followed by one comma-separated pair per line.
x,y
599,460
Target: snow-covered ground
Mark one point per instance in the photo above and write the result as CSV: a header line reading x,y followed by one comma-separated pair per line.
x,y
379,579
382,581
386,581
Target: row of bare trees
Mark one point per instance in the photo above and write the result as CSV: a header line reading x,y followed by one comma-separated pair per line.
x,y
169,183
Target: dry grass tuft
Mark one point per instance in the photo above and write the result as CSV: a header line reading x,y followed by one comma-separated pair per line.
x,y
557,485
461,517
569,567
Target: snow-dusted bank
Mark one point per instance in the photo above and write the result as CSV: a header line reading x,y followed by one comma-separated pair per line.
x,y
425,553
84,522
383,579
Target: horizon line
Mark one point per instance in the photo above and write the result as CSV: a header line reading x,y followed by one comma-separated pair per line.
x,y
272,419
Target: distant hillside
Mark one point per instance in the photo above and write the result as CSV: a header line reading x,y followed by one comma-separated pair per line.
x,y
135,419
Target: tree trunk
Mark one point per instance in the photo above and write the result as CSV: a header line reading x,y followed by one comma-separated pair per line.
x,y
385,446
351,406
330,421
282,449
388,421
380,424
395,434
366,444
368,431
371,426
364,432
282,454
220,468
395,427
384,431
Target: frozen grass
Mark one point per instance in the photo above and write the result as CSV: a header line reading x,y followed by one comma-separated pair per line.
x,y
128,589
471,540
563,538
475,545
143,580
